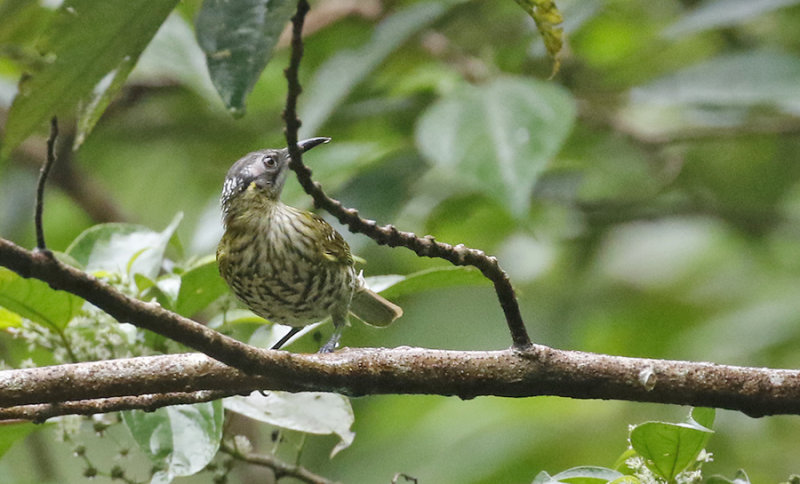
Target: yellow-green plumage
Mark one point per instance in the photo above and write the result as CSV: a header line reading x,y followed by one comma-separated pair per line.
x,y
288,265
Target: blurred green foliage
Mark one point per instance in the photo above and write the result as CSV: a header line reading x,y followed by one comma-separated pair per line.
x,y
664,223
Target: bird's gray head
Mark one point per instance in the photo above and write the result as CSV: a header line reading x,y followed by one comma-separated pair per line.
x,y
263,172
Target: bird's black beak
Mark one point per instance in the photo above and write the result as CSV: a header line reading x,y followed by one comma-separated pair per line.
x,y
307,144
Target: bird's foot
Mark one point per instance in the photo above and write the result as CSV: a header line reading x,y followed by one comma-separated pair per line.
x,y
332,343
328,347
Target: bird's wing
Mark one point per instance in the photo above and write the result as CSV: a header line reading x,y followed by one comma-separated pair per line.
x,y
331,243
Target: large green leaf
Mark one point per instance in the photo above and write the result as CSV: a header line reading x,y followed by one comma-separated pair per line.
x,y
200,286
122,248
583,474
335,79
393,285
703,416
86,40
181,439
310,412
92,108
12,433
497,137
670,448
238,38
35,300
723,13
173,54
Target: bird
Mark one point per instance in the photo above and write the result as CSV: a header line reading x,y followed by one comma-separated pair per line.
x,y
288,265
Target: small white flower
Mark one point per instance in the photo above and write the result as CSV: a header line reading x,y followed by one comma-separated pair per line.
x,y
689,477
705,456
242,444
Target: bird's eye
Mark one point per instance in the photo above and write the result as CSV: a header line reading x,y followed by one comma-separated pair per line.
x,y
269,161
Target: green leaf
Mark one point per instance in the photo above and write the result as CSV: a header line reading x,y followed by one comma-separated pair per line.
x,y
588,474
703,417
9,319
149,289
91,109
35,300
543,478
740,478
310,412
237,316
122,248
548,21
173,54
498,137
182,439
238,38
393,285
85,41
200,286
338,76
669,448
621,463
626,480
742,80
12,433
22,21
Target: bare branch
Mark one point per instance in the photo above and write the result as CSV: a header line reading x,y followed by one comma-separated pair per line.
x,y
388,234
43,411
537,370
48,164
280,468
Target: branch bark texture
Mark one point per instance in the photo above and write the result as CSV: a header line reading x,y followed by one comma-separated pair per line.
x,y
537,370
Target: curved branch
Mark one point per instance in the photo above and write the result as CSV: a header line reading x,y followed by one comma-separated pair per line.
x,y
537,370
48,164
279,468
388,234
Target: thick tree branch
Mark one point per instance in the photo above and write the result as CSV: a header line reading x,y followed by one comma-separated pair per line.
x,y
537,370
144,315
388,234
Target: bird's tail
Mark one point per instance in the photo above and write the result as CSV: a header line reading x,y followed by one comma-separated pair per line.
x,y
374,309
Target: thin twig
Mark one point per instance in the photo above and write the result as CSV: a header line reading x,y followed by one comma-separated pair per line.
x,y
38,413
403,475
388,234
279,468
48,164
294,90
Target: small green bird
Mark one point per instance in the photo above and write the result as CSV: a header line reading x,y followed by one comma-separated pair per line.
x,y
288,265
